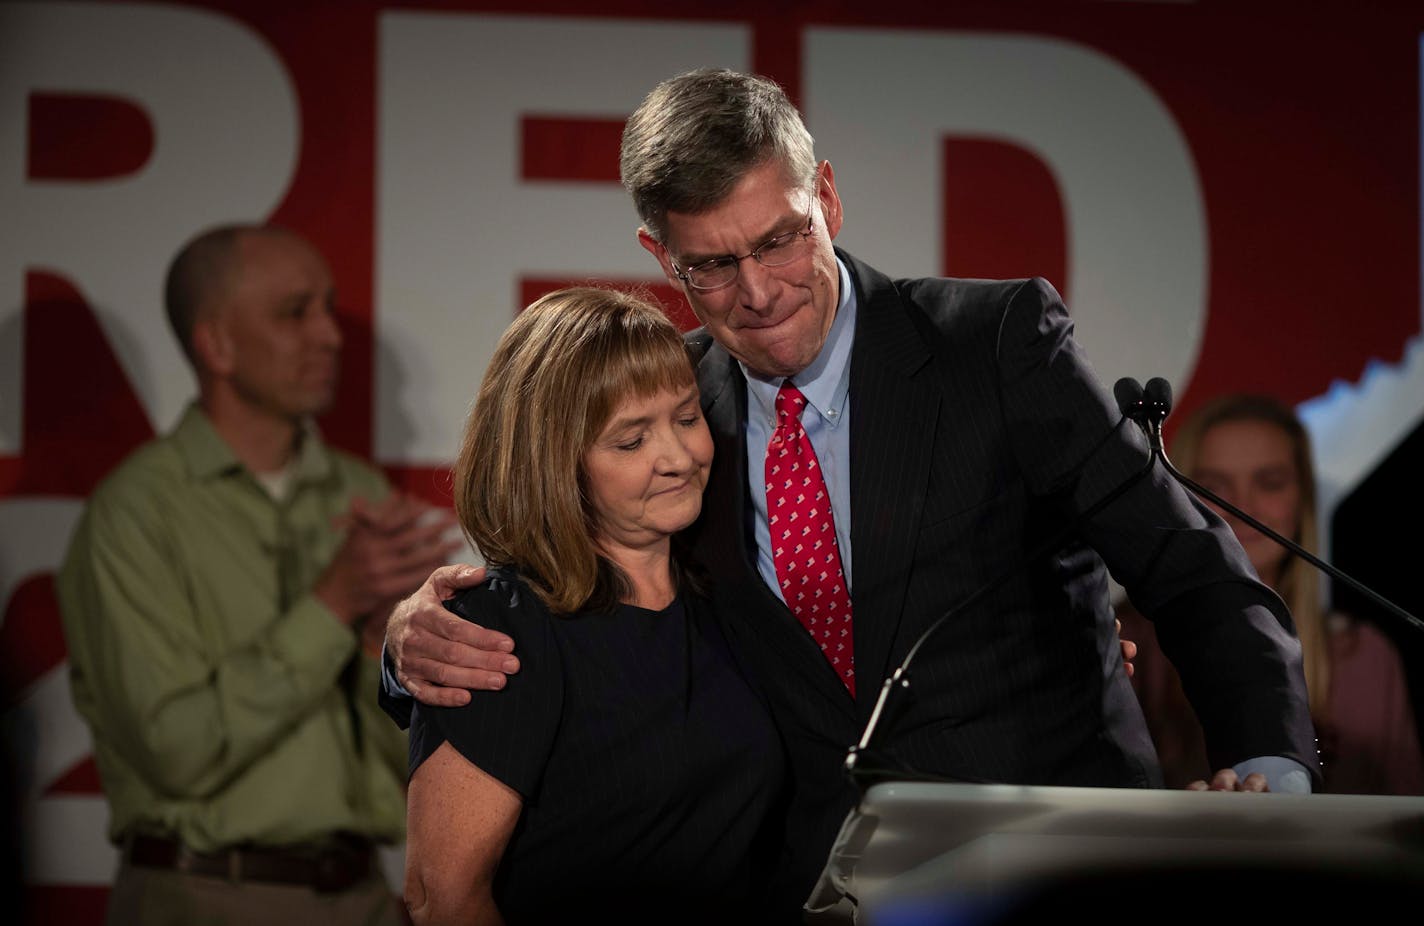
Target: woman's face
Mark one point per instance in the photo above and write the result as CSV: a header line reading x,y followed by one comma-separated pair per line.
x,y
1251,464
646,470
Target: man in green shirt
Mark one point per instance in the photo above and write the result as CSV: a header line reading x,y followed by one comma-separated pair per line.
x,y
224,600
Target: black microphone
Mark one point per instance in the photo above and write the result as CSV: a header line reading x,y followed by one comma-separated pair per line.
x,y
1156,406
1157,400
1128,393
1129,397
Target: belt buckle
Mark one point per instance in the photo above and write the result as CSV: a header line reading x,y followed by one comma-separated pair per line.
x,y
186,860
332,874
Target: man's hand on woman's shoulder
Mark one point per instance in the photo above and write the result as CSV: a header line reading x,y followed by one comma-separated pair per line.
x,y
438,657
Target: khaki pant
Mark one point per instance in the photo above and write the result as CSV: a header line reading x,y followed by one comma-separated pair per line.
x,y
163,897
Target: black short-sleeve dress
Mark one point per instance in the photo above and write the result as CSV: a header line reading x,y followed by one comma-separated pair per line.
x,y
652,775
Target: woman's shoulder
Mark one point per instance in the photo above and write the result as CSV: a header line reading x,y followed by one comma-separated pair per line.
x,y
503,594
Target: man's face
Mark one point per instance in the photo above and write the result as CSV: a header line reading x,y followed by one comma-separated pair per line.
x,y
274,336
773,319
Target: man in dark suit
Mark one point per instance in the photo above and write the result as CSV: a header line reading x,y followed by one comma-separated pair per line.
x,y
958,426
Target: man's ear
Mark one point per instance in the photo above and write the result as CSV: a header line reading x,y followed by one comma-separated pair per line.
x,y
653,247
831,208
212,347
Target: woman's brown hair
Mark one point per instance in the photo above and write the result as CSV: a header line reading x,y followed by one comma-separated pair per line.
x,y
556,378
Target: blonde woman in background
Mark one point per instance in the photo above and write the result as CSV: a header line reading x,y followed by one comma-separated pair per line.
x,y
1254,452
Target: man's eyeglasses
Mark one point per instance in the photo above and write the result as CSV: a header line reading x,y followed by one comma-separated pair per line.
x,y
721,271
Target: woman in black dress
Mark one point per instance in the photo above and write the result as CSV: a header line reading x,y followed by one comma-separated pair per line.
x,y
628,769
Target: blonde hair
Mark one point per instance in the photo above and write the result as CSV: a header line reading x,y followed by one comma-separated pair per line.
x,y
556,378
1298,586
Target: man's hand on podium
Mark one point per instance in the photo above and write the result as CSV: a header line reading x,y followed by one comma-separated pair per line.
x,y
1227,780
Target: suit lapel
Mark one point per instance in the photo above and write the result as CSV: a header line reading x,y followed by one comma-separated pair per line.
x,y
894,415
720,532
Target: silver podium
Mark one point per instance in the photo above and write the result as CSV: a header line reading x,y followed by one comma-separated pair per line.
x,y
915,854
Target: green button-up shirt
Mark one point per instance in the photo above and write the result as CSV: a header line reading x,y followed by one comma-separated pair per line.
x,y
227,704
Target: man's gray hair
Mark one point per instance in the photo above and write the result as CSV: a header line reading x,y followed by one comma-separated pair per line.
x,y
696,135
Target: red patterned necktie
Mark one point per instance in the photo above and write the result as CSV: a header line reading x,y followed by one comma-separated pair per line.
x,y
803,537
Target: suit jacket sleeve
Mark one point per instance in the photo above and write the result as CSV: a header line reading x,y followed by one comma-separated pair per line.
x,y
1229,636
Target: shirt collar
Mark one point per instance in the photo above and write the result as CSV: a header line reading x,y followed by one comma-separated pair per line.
x,y
826,382
208,456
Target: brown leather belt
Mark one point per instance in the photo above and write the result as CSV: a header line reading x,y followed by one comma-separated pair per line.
x,y
325,868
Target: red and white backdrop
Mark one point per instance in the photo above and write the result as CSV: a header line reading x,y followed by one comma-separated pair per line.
x,y
1227,193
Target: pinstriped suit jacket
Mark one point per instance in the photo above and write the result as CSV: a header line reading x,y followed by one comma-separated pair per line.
x,y
977,430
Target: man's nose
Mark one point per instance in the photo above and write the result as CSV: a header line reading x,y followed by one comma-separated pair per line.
x,y
325,330
756,285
